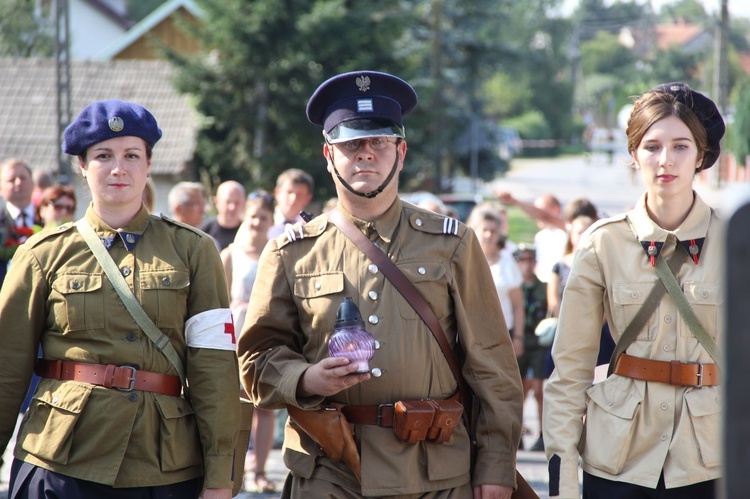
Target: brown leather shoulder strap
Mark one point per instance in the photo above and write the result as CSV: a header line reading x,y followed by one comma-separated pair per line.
x,y
404,286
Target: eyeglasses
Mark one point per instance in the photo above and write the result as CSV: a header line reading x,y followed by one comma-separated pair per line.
x,y
63,207
375,143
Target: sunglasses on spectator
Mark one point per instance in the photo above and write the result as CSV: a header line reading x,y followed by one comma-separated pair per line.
x,y
62,207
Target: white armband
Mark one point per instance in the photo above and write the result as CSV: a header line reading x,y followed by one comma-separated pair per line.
x,y
212,329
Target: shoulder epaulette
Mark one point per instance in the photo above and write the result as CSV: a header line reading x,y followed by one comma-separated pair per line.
x,y
606,221
46,234
182,224
299,231
436,224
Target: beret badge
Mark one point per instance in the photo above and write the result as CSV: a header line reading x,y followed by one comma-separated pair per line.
x,y
116,124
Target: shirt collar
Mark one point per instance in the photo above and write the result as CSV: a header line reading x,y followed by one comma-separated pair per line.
x,y
695,225
690,233
385,225
130,234
14,211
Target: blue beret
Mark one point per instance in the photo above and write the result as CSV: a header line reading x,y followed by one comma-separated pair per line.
x,y
707,113
373,103
104,120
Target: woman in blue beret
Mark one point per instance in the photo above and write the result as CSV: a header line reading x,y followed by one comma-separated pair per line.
x,y
651,428
130,309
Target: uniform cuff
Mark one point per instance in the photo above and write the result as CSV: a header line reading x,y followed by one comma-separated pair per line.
x,y
563,477
218,472
494,468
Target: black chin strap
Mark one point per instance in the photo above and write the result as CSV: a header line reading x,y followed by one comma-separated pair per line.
x,y
371,194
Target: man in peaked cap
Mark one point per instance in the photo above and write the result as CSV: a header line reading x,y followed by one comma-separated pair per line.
x,y
303,276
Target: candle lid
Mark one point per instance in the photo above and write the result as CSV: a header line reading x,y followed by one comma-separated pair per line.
x,y
348,314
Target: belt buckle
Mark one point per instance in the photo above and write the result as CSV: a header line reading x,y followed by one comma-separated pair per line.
x,y
699,375
132,379
380,412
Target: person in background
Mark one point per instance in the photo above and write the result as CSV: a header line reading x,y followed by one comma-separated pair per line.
x,y
18,215
240,261
304,277
293,192
42,179
109,417
532,362
57,205
187,203
487,223
561,269
230,205
652,428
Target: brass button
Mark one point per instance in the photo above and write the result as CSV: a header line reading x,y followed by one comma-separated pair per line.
x,y
418,222
125,271
76,284
372,268
421,271
373,319
373,295
166,281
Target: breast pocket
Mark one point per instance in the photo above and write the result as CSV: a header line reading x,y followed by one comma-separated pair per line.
x,y
164,296
78,301
628,299
430,280
706,302
319,298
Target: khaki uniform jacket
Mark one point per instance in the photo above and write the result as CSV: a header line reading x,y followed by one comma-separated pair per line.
x,y
56,295
301,281
635,430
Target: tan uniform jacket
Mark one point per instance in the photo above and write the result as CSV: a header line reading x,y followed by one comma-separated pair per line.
x,y
301,281
635,429
57,295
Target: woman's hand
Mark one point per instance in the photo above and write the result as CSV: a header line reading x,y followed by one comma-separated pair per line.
x,y
328,377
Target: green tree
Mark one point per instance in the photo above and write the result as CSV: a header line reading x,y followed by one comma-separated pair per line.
x,y
138,9
266,58
690,11
22,33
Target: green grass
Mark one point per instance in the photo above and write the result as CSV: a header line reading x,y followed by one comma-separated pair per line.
x,y
521,226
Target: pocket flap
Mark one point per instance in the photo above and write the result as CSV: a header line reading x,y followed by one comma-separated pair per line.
x,y
631,293
311,286
165,279
77,283
172,407
703,402
69,396
614,400
702,294
422,271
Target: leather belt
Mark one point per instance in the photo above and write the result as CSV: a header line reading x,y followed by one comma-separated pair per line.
x,y
378,415
124,378
675,372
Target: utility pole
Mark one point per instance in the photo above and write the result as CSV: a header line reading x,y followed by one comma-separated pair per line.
x,y
720,77
62,73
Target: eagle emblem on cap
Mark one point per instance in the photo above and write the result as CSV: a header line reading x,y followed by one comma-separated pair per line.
x,y
116,124
363,83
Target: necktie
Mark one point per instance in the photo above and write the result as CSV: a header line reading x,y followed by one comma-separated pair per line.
x,y
23,219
